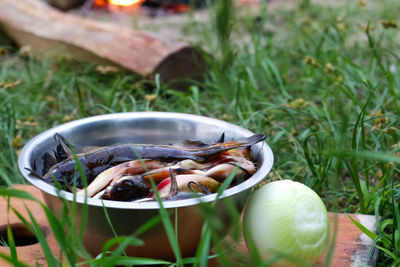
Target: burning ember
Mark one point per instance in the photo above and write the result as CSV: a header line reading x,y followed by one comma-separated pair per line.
x,y
124,2
170,6
117,3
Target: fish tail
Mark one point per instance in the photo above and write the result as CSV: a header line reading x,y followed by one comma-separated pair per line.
x,y
221,147
63,143
248,141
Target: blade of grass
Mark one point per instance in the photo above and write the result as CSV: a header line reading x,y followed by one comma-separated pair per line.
x,y
124,242
9,259
332,244
148,225
375,52
203,248
4,176
354,163
84,206
135,261
8,192
82,109
369,155
10,235
11,243
192,260
165,218
208,212
58,231
50,258
391,254
365,230
120,239
277,76
396,225
110,224
109,220
54,223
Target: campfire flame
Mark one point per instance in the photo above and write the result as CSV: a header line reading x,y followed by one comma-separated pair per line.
x,y
134,6
124,2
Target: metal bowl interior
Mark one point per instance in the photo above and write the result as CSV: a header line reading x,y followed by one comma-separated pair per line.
x,y
126,217
143,128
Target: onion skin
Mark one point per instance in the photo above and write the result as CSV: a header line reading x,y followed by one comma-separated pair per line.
x,y
286,217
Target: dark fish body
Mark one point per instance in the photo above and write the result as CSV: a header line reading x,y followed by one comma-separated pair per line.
x,y
65,172
128,189
95,163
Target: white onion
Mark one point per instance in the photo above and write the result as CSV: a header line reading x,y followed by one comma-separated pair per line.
x,y
287,217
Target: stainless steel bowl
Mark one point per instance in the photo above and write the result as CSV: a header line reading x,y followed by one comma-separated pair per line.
x,y
126,217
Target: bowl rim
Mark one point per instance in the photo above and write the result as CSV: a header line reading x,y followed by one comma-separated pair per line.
x,y
26,152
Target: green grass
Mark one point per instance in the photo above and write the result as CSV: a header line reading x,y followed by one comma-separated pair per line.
x,y
321,81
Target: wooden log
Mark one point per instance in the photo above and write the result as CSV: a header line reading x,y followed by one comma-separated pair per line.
x,y
36,24
65,4
351,247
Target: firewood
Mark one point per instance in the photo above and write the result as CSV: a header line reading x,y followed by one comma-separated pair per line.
x,y
65,4
36,24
